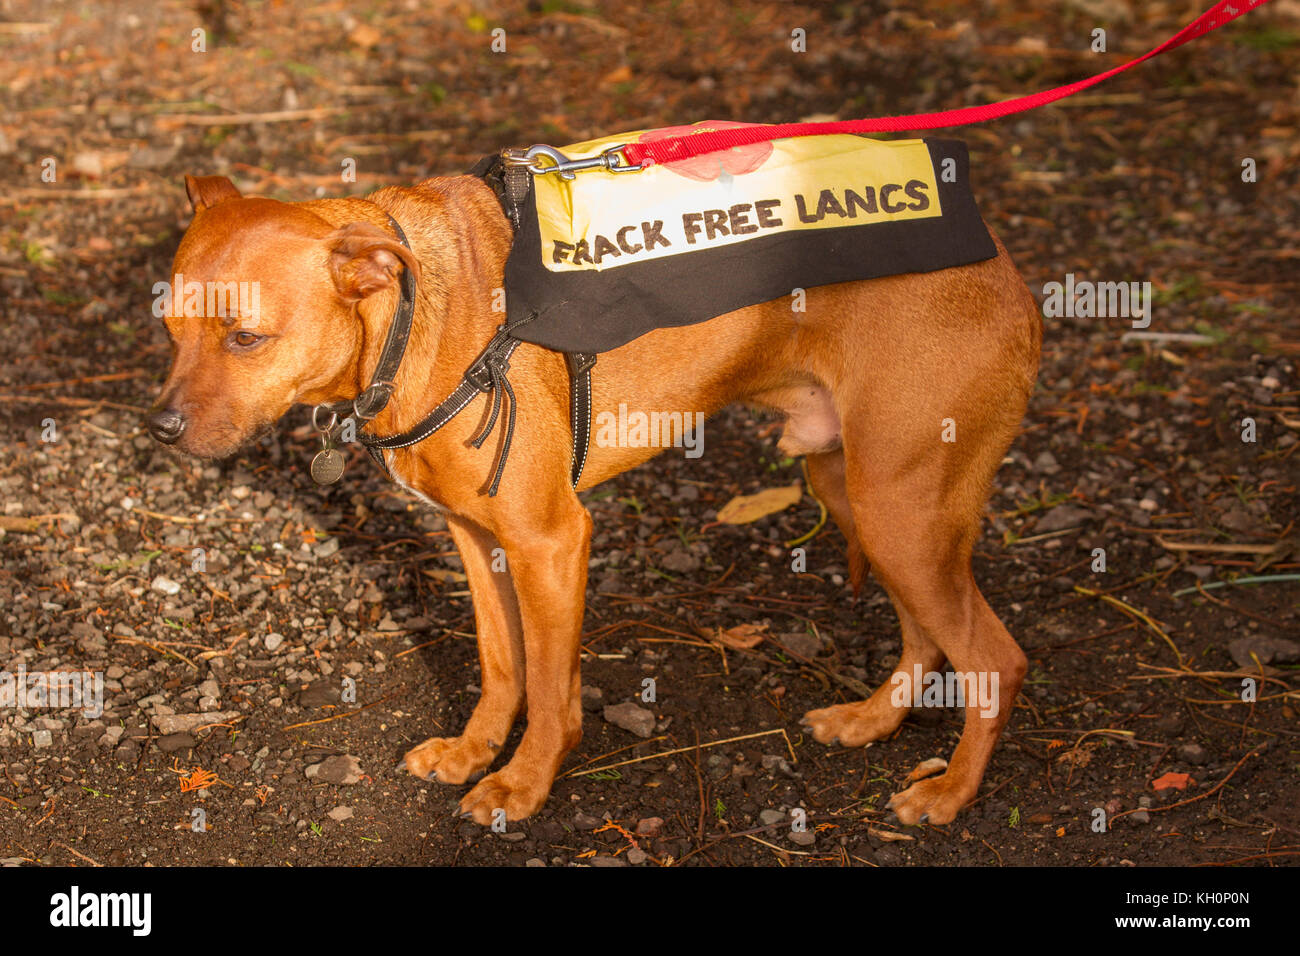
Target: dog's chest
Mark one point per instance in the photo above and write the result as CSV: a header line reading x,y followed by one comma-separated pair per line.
x,y
394,470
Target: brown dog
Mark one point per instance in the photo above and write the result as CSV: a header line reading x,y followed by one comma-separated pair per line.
x,y
865,380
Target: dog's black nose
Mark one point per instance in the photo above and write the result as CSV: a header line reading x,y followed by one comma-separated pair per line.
x,y
166,425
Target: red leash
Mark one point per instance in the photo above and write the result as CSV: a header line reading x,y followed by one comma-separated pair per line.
x,y
684,147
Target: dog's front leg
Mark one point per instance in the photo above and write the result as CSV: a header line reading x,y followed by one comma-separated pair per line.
x,y
501,659
547,550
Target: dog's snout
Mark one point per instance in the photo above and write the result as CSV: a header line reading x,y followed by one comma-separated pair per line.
x,y
166,425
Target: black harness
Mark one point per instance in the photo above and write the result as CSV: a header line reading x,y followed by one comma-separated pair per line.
x,y
487,373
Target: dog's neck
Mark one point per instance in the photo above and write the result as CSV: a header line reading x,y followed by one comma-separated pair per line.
x,y
450,325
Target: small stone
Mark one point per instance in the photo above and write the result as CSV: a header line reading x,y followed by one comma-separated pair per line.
x,y
165,585
1194,754
771,817
1062,517
320,694
1141,816
801,644
188,723
632,718
344,770
150,157
42,739
802,837
680,561
1269,650
649,827
339,814
636,856
273,641
1046,463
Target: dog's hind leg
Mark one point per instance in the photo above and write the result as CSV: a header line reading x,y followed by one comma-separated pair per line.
x,y
921,447
501,659
861,722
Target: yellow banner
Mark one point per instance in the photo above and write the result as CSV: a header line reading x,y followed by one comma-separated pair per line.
x,y
602,220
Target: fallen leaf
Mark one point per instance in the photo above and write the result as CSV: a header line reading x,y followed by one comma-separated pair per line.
x,y
742,636
746,508
365,36
1171,780
446,577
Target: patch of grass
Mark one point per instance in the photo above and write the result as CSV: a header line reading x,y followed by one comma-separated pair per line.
x,y
1185,287
1028,506
1268,39
61,298
566,6
144,557
1212,331
216,135
36,254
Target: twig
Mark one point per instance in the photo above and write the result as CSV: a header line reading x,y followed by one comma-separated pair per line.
x,y
821,519
1220,548
349,713
1250,579
244,119
80,856
1140,615
679,750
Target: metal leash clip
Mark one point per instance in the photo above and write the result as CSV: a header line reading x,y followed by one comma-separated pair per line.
x,y
609,159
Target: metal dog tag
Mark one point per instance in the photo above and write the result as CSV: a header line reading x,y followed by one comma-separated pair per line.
x,y
327,466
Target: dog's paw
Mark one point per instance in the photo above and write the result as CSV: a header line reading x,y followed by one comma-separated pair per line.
x,y
852,725
518,796
450,759
935,800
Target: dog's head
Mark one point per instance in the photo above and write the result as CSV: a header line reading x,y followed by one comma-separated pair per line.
x,y
261,308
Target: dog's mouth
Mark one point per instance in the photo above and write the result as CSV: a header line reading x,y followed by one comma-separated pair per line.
x,y
218,442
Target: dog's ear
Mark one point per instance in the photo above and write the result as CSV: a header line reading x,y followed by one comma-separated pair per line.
x,y
207,191
364,260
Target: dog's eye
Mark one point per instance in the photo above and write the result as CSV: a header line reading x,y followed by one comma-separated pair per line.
x,y
244,339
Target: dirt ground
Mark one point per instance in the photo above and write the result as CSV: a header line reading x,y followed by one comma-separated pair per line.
x,y
224,668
